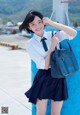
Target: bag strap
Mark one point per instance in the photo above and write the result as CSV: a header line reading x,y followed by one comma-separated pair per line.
x,y
67,43
55,32
59,45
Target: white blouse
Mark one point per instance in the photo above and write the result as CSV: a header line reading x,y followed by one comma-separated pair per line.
x,y
35,49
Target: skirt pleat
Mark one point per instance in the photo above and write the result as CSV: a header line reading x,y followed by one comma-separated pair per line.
x,y
46,87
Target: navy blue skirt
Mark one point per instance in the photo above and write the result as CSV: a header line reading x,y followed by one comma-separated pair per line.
x,y
46,87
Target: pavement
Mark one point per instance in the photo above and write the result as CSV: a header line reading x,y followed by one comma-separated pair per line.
x,y
15,79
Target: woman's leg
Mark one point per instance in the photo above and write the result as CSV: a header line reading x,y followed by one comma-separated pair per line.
x,y
41,106
56,107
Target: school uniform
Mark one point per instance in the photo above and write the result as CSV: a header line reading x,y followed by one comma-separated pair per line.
x,y
44,86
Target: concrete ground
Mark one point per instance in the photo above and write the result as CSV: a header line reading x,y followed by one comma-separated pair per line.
x,y
15,79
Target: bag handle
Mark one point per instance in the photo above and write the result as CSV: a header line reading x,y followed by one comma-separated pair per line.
x,y
55,32
60,46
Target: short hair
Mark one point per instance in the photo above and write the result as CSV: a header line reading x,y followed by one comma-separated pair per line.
x,y
28,19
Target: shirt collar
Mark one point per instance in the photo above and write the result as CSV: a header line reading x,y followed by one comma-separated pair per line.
x,y
38,38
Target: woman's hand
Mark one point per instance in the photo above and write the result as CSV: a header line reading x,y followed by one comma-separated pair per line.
x,y
54,43
46,21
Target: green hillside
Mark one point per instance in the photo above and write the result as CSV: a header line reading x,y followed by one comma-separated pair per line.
x,y
15,10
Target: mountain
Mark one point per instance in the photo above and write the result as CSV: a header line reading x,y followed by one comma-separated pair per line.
x,y
15,10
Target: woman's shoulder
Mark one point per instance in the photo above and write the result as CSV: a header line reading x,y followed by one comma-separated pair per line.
x,y
29,42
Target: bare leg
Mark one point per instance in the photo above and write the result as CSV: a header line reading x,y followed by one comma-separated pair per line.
x,y
56,107
41,106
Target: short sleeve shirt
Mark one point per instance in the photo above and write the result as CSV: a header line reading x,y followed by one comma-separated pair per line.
x,y
35,49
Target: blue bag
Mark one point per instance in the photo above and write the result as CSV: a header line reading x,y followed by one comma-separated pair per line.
x,y
63,62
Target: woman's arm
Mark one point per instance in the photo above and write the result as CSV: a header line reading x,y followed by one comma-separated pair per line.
x,y
54,43
72,32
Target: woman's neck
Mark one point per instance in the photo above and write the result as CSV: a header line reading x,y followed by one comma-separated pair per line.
x,y
40,34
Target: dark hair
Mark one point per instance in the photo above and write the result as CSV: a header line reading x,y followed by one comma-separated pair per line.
x,y
29,18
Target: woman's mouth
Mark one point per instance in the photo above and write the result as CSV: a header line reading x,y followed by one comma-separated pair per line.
x,y
39,29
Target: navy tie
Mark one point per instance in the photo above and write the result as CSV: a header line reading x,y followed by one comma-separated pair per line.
x,y
44,43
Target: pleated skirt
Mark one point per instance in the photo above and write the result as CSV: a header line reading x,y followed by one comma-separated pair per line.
x,y
46,87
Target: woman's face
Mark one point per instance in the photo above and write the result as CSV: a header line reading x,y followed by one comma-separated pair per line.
x,y
37,26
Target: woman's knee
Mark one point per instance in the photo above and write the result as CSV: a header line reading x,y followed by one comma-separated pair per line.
x,y
56,107
41,107
55,113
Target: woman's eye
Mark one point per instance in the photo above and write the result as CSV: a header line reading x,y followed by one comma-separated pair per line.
x,y
40,22
33,24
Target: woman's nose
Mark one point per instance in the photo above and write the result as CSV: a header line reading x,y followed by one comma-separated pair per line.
x,y
37,25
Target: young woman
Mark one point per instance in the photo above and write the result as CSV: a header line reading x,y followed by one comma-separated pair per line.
x,y
41,45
